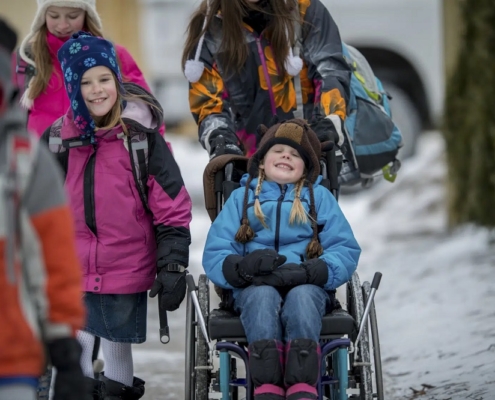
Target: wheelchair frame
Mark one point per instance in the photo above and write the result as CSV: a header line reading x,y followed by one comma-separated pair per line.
x,y
346,367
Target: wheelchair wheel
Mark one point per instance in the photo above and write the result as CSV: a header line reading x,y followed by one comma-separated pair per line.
x,y
201,372
360,365
377,359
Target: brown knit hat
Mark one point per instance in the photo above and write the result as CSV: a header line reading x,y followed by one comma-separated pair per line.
x,y
297,134
294,133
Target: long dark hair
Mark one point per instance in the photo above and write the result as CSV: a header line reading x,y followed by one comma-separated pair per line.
x,y
279,29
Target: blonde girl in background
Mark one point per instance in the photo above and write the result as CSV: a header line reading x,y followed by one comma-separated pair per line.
x,y
38,73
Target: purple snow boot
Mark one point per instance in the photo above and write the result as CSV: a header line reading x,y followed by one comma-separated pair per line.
x,y
266,360
302,369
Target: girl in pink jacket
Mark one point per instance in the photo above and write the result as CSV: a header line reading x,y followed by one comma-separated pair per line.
x,y
125,239
54,23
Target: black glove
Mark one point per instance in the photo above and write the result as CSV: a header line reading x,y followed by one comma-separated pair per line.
x,y
326,130
259,262
70,383
288,275
316,271
172,286
220,146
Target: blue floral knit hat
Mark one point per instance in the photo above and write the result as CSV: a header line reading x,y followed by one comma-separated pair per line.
x,y
81,52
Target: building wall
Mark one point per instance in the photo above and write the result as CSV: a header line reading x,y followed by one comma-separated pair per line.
x,y
121,21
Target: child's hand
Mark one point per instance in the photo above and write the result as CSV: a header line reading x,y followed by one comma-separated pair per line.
x,y
314,272
172,285
317,271
290,274
70,382
260,262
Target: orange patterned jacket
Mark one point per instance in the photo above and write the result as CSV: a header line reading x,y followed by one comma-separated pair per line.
x,y
234,106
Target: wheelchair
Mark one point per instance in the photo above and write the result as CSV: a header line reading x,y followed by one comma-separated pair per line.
x,y
215,339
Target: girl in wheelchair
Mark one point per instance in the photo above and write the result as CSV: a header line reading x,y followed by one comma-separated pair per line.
x,y
281,244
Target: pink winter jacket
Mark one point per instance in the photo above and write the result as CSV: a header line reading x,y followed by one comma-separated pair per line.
x,y
118,242
54,102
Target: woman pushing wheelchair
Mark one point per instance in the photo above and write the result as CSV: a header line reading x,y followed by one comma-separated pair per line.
x,y
242,69
282,244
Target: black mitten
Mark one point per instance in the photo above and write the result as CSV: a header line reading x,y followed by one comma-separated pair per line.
x,y
172,286
230,269
70,383
317,271
259,262
288,275
326,130
219,146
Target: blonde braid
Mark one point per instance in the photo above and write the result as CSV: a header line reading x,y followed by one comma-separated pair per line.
x,y
314,248
257,205
245,233
297,212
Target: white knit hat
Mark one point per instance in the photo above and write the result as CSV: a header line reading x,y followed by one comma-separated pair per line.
x,y
39,19
194,68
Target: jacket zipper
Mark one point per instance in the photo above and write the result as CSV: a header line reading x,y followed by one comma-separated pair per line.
x,y
279,208
267,75
89,192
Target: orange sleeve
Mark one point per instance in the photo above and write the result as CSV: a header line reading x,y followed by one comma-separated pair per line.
x,y
56,231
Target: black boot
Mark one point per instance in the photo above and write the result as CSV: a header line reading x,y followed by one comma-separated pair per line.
x,y
96,388
266,368
302,369
118,391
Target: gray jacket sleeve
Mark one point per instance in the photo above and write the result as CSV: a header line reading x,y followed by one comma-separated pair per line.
x,y
322,52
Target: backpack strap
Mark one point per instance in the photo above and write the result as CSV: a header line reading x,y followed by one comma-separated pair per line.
x,y
24,72
52,138
298,113
138,147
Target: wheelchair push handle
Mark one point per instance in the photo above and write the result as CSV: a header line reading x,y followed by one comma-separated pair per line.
x,y
229,171
364,320
376,280
329,167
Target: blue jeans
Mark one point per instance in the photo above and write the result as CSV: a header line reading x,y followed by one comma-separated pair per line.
x,y
266,314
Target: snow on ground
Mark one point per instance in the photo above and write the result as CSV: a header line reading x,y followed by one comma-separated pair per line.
x,y
436,313
435,305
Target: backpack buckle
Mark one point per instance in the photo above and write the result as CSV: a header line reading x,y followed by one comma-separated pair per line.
x,y
27,69
76,142
390,170
175,267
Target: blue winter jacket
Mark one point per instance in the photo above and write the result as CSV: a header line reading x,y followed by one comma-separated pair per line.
x,y
341,250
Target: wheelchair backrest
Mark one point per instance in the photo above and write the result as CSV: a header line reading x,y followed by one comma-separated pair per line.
x,y
223,174
221,177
